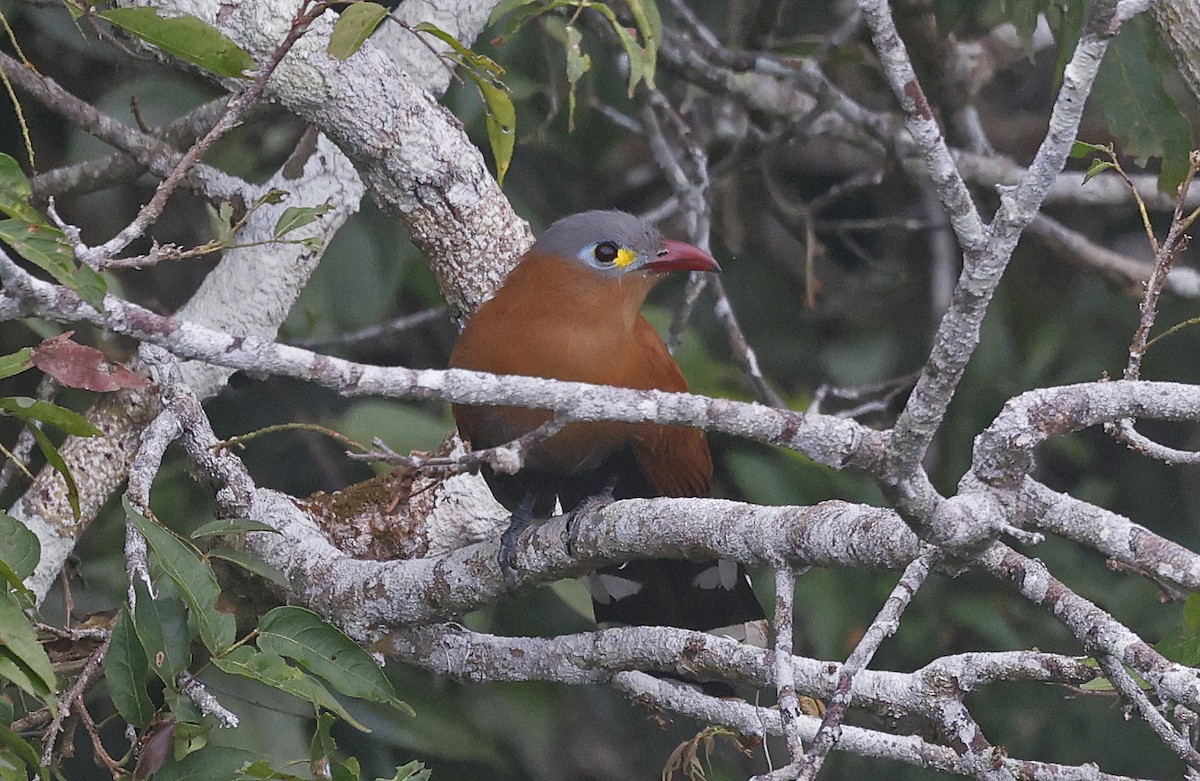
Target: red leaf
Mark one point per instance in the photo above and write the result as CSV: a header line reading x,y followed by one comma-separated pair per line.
x,y
155,748
79,366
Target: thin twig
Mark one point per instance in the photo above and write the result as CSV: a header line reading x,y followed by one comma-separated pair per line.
x,y
872,398
987,249
742,351
885,624
234,110
1124,432
1129,690
371,333
90,672
98,749
688,174
102,172
1125,272
1176,241
505,459
693,23
147,150
18,457
1164,255
785,679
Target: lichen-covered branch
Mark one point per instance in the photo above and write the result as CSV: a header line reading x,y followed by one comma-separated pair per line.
x,y
986,251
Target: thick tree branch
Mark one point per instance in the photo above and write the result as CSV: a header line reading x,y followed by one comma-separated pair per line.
x,y
146,149
249,293
1004,451
986,252
1096,630
435,182
104,172
828,440
1107,532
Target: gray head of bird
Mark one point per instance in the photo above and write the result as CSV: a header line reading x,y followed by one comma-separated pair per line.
x,y
615,244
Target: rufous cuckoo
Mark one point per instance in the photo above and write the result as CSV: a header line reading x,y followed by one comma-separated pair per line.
x,y
570,310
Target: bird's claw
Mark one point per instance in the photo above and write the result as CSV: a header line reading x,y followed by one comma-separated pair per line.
x,y
590,504
507,556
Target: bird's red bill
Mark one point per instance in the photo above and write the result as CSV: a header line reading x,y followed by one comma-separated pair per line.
x,y
681,256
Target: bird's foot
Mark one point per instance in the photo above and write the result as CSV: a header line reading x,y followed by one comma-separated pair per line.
x,y
590,504
507,556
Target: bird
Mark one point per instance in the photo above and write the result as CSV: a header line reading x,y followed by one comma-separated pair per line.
x,y
570,309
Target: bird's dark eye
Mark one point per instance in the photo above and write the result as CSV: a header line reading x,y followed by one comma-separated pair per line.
x,y
606,252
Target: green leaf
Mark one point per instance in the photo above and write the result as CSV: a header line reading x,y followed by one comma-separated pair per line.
x,y
1095,169
161,626
347,770
322,746
504,8
28,409
181,707
1137,109
15,363
468,57
272,196
1081,149
262,771
213,763
1104,684
43,245
641,61
500,114
126,670
56,462
324,650
531,11
1182,644
271,670
22,659
184,565
15,191
296,217
25,598
40,243
578,64
19,547
649,24
46,247
250,563
353,27
23,751
186,37
11,768
1065,18
501,122
1191,612
231,526
190,736
323,750
413,771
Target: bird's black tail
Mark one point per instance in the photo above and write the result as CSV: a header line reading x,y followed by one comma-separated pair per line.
x,y
698,595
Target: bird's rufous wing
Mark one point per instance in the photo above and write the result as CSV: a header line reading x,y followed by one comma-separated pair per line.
x,y
675,459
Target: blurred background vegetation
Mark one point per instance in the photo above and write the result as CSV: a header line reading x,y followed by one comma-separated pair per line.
x,y
1051,323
